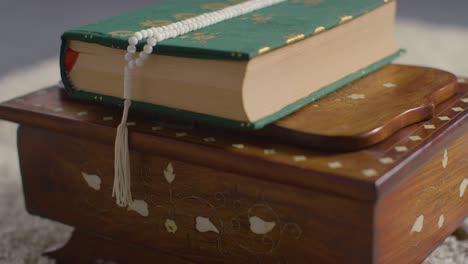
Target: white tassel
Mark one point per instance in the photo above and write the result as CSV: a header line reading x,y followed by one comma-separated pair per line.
x,y
122,182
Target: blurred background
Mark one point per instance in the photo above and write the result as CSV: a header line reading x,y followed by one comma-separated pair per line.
x,y
435,33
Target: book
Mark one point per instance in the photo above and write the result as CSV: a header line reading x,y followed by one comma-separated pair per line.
x,y
244,72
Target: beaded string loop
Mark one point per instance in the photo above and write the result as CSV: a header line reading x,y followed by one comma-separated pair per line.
x,y
122,181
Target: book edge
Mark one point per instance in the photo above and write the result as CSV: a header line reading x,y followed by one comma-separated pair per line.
x,y
214,120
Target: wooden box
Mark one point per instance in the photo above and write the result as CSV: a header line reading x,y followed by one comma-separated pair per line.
x,y
212,196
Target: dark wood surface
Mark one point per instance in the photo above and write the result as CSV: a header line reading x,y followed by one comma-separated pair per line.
x,y
308,225
368,110
91,249
308,200
433,197
364,174
55,187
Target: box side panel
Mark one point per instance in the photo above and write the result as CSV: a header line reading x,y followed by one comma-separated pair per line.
x,y
195,212
417,216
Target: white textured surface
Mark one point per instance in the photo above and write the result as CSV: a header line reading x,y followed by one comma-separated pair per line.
x,y
442,47
24,237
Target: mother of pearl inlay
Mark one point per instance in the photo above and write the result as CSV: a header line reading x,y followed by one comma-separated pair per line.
x,y
139,206
418,224
369,172
441,221
93,181
171,226
463,186
299,158
169,173
390,85
259,226
204,224
445,159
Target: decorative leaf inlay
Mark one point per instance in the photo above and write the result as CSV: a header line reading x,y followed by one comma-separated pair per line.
x,y
441,221
139,206
93,181
169,173
418,224
259,226
204,224
463,186
445,159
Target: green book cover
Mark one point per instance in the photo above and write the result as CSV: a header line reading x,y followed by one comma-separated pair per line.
x,y
239,38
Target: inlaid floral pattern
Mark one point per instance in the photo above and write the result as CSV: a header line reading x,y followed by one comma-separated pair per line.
x,y
170,225
221,220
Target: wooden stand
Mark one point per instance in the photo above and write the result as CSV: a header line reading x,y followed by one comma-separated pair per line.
x,y
90,249
211,196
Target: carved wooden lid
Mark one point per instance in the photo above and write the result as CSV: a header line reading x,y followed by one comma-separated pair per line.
x,y
368,110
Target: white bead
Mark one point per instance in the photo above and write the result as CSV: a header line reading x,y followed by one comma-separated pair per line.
x,y
138,35
128,56
172,33
149,32
181,31
133,41
144,55
192,27
159,36
131,49
154,35
152,42
148,49
139,62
